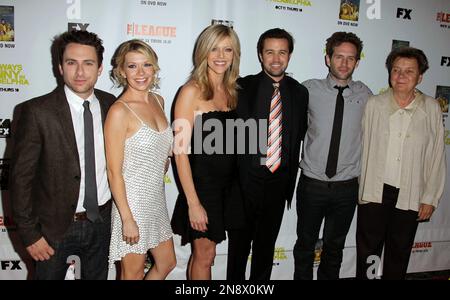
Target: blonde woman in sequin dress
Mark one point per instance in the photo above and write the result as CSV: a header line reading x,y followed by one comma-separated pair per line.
x,y
138,142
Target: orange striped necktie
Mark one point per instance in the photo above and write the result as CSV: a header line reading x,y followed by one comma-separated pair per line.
x,y
274,136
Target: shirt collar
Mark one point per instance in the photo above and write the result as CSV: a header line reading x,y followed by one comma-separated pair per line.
x,y
75,100
331,83
267,79
409,109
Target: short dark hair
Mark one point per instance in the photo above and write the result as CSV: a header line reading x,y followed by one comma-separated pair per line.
x,y
79,37
340,37
408,52
275,33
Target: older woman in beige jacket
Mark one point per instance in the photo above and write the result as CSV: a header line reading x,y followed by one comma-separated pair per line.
x,y
403,166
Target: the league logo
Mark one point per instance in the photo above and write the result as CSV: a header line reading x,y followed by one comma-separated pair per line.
x,y
443,17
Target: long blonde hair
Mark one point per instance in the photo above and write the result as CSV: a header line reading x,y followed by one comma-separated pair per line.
x,y
206,41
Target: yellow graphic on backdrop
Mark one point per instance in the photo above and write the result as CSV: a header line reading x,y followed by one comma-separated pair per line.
x,y
294,2
279,253
12,74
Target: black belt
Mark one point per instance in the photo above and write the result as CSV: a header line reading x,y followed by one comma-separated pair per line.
x,y
329,184
82,216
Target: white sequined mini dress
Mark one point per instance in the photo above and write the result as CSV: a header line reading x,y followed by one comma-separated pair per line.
x,y
145,157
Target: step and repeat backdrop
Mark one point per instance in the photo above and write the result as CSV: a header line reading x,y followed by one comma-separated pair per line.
x,y
171,27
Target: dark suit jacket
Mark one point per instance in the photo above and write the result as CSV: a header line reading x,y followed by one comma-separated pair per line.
x,y
45,173
294,124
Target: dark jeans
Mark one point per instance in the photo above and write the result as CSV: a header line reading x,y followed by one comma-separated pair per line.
x,y
316,200
382,224
89,241
264,203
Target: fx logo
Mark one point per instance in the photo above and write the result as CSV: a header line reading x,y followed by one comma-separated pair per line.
x,y
77,26
10,265
445,61
404,12
5,128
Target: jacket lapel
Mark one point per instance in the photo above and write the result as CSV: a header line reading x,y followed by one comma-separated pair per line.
x,y
252,97
287,109
65,118
103,107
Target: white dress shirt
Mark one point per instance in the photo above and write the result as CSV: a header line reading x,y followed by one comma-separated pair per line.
x,y
77,110
398,125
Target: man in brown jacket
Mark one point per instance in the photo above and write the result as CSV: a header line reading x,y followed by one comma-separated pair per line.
x,y
59,190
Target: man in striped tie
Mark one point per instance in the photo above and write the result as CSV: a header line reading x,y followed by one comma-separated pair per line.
x,y
267,178
274,136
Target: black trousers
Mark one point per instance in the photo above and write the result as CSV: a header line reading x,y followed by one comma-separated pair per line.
x,y
264,205
317,200
384,225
